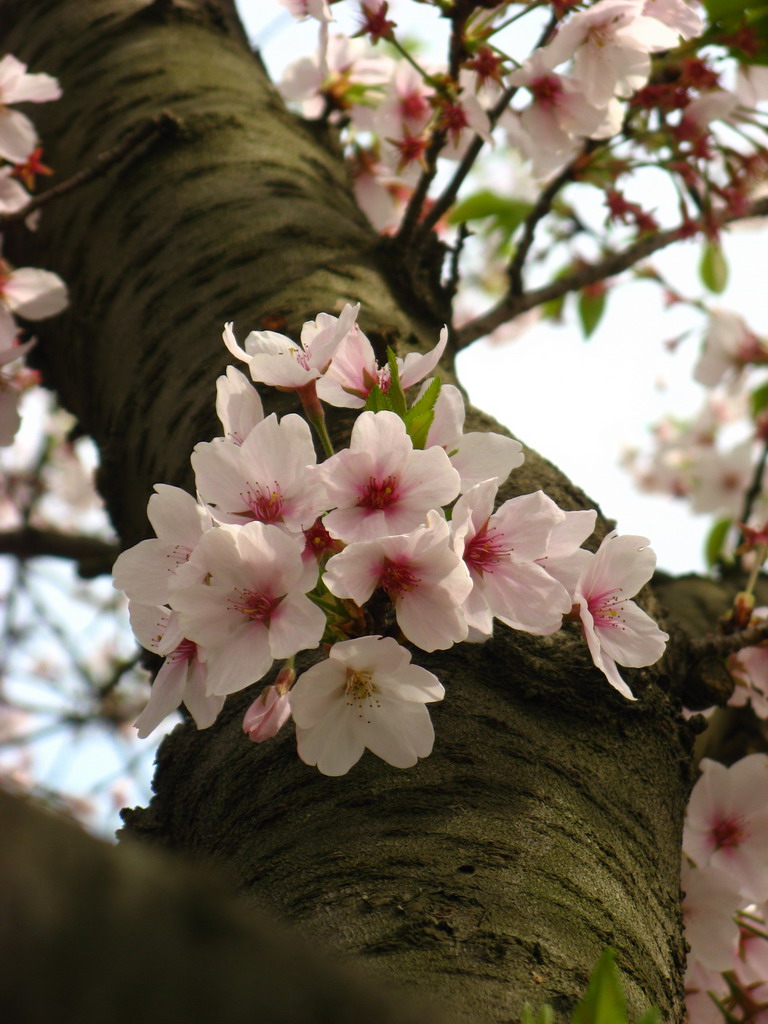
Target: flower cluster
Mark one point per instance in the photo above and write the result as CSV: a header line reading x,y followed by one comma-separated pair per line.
x,y
725,882
392,538
27,291
592,75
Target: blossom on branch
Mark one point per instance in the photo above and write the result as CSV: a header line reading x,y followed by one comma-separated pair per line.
x,y
500,551
29,293
17,134
726,827
146,570
354,370
243,594
274,359
615,628
610,44
183,675
425,580
263,479
380,485
366,694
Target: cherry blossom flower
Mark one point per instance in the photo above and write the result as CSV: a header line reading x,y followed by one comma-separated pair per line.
x,y
615,628
701,984
276,360
499,549
709,907
476,456
182,677
719,480
726,827
354,370
146,570
405,104
31,293
366,694
342,72
462,119
17,134
728,347
751,966
265,478
238,405
381,485
243,594
559,113
749,667
610,43
425,580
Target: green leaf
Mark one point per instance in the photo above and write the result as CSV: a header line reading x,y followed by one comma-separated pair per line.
x,y
395,392
713,268
713,546
377,401
591,309
758,400
603,1002
509,213
721,10
651,1016
419,417
545,1015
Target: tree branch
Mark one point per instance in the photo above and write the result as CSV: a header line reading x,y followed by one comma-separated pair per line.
x,y
103,162
721,645
93,556
614,263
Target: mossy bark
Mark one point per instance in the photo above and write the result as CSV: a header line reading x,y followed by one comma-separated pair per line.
x,y
547,823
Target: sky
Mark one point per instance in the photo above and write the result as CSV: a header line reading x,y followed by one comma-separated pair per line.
x,y
582,404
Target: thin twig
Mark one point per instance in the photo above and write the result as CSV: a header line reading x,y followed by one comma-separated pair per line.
x,y
541,208
446,199
103,162
614,263
756,486
95,555
722,645
453,271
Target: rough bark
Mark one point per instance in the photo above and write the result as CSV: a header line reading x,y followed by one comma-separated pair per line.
x,y
92,934
546,825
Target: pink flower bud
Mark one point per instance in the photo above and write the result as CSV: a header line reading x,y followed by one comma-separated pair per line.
x,y
269,712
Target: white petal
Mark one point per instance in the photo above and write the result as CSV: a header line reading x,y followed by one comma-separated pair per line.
x,y
34,294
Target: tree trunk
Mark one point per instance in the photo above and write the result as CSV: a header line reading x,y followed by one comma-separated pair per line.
x,y
546,825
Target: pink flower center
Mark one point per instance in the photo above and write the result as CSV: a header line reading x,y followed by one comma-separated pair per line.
x,y
413,106
186,651
485,550
397,578
379,494
728,833
547,90
606,608
179,554
301,356
256,606
265,504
